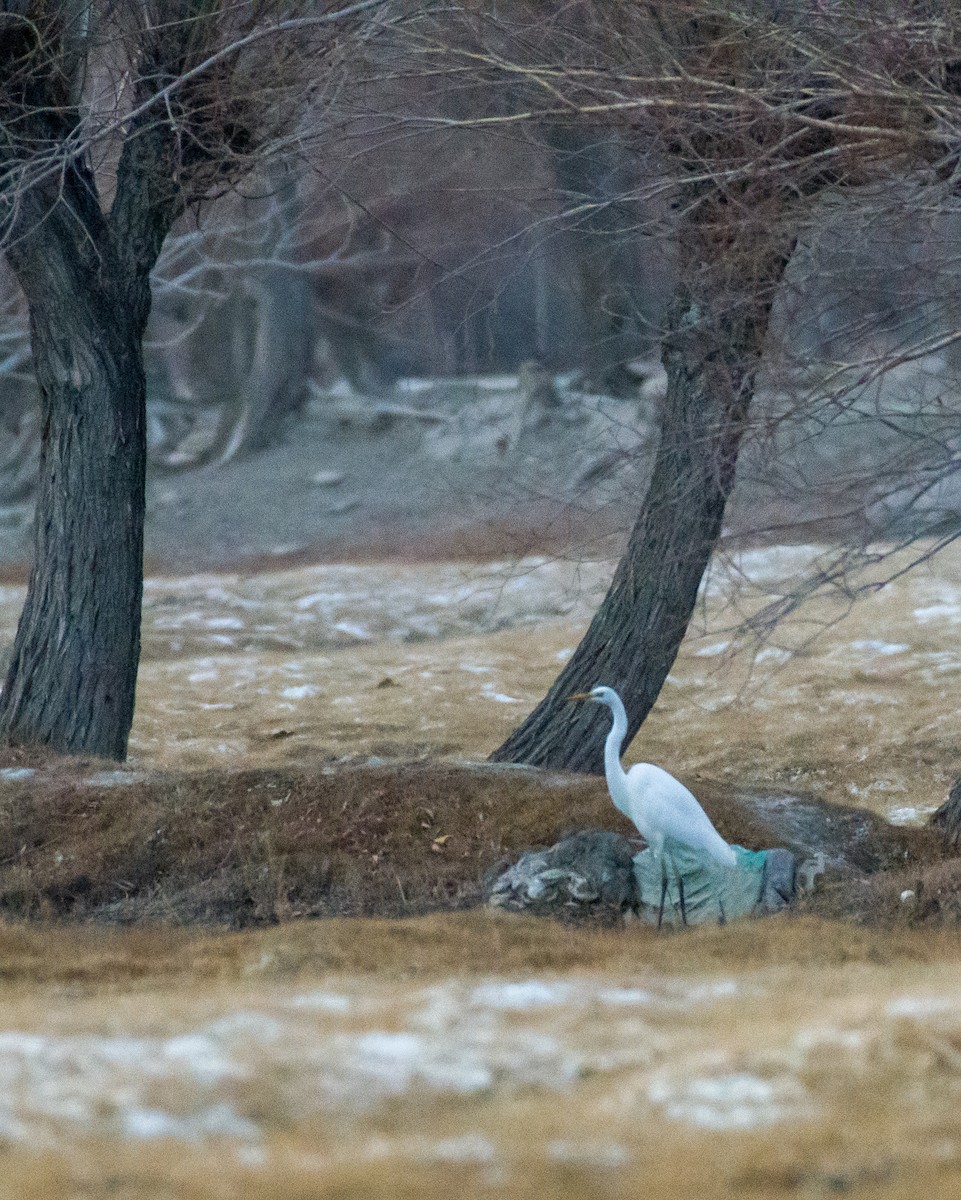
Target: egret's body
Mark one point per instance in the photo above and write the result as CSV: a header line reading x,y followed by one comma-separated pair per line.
x,y
659,805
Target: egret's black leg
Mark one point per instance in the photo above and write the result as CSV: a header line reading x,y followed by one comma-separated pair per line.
x,y
660,911
680,894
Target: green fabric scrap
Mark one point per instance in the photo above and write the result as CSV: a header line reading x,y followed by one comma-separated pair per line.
x,y
712,893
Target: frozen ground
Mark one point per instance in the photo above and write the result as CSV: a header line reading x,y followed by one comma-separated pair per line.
x,y
798,1060
683,1082
400,660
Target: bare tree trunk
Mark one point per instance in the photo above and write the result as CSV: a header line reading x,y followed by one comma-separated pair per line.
x,y
947,819
711,354
86,278
72,674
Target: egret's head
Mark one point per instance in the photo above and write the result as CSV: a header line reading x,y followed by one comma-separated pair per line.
x,y
597,695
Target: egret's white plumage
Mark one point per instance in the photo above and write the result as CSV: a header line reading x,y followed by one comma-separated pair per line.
x,y
659,805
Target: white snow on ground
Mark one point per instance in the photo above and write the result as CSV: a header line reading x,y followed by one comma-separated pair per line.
x,y
883,649
337,605
909,814
303,1055
287,1060
730,1101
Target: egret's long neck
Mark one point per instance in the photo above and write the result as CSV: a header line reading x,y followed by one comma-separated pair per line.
x,y
615,773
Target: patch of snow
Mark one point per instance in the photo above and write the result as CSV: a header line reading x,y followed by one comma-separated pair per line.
x,y
396,1061
16,774
706,993
772,654
923,1006
414,386
713,650
114,778
470,1148
203,676
311,601
738,1100
323,1002
524,994
303,692
327,478
352,629
880,648
500,698
218,1121
909,814
934,612
775,562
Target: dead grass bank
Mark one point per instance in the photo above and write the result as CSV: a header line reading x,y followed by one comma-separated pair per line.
x,y
256,847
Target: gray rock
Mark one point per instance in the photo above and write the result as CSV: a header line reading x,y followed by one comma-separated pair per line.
x,y
588,875
780,881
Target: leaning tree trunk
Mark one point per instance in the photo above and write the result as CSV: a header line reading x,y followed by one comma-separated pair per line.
x,y
711,354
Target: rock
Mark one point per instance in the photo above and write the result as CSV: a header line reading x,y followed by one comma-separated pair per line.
x,y
833,839
780,881
586,876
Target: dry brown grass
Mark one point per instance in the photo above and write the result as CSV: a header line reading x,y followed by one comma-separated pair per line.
x,y
255,847
685,1170
441,945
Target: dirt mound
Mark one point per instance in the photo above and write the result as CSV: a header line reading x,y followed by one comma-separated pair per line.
x,y
255,847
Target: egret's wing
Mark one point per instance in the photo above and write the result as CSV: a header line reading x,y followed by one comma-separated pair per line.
x,y
673,810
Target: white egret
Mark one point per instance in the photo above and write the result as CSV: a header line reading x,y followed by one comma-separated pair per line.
x,y
659,805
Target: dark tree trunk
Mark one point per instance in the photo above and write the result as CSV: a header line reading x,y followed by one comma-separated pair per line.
x,y
947,819
711,354
72,676
86,276
71,679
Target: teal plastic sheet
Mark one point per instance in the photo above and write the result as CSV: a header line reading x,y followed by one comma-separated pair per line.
x,y
712,893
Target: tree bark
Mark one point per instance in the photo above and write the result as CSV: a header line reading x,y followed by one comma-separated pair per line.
x,y
947,819
72,674
85,274
711,354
